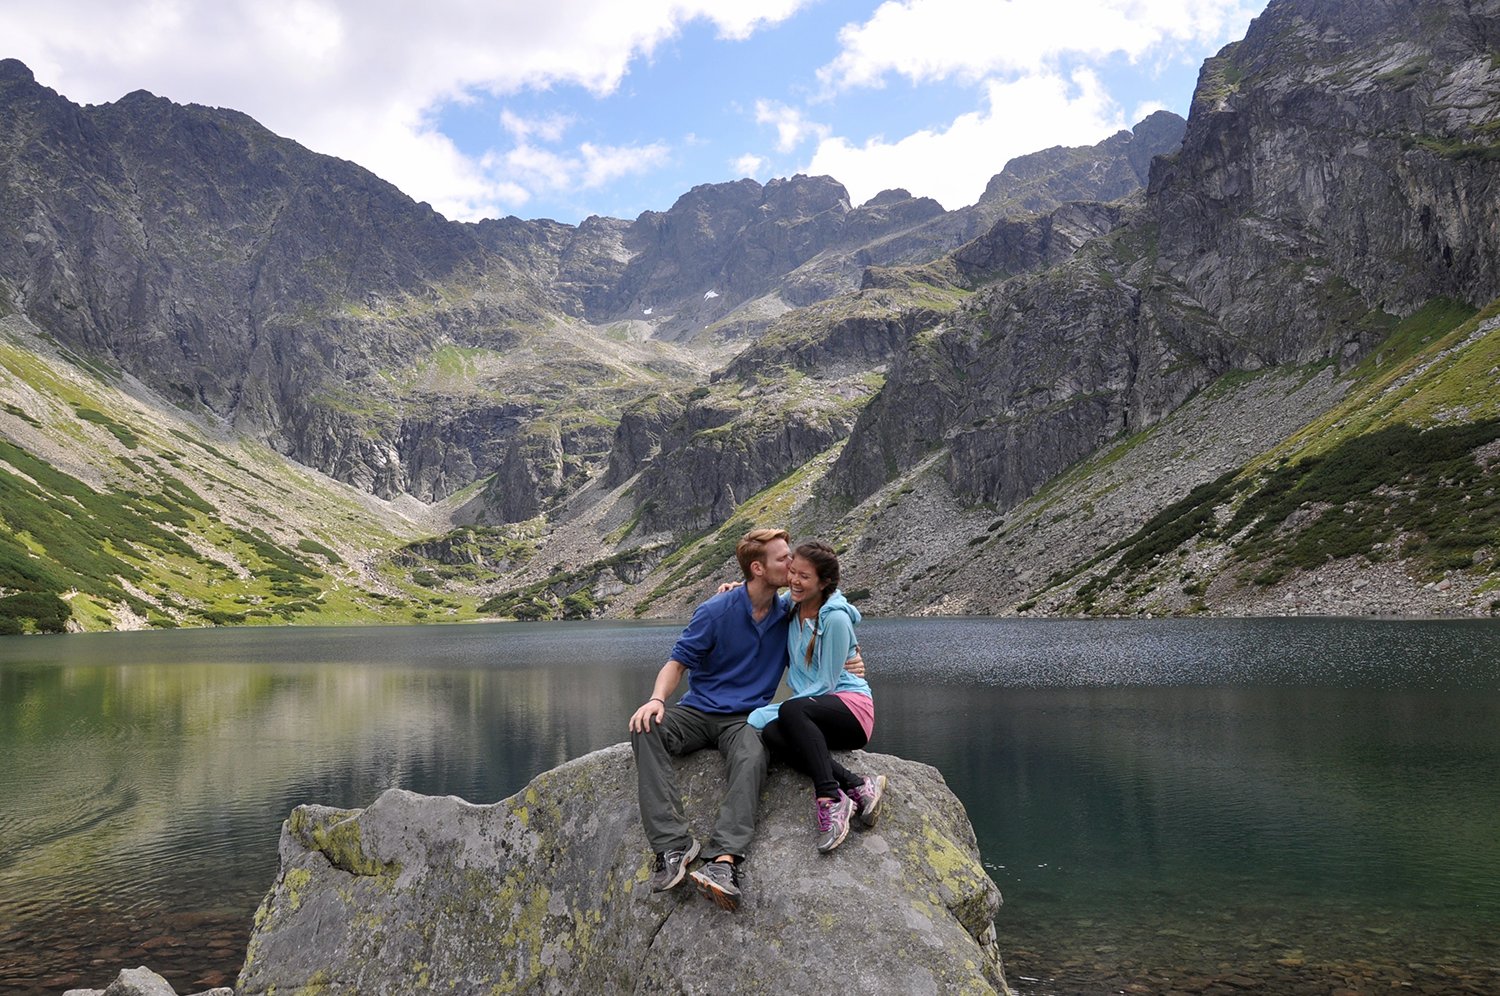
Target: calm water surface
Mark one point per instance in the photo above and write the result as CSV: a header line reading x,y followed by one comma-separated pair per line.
x,y
1191,805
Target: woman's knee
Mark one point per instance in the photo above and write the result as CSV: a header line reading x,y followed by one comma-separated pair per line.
x,y
796,710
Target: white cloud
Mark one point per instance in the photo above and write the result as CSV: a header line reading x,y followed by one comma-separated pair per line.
x,y
792,127
550,128
363,79
749,165
588,167
1028,59
602,164
931,40
1146,109
954,164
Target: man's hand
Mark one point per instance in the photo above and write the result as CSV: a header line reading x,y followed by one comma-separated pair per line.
x,y
855,665
655,708
640,720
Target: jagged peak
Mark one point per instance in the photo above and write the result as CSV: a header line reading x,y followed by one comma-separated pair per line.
x,y
1157,119
137,97
895,195
15,69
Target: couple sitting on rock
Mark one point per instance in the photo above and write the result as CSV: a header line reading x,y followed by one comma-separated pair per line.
x,y
736,647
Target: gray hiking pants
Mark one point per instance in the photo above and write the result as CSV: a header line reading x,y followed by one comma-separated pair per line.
x,y
684,730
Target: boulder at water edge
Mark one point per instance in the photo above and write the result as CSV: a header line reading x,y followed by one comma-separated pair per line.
x,y
142,982
546,892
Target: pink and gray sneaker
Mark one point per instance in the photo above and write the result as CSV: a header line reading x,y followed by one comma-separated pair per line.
x,y
867,796
833,821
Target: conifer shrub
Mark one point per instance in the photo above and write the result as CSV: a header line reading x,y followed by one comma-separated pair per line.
x,y
33,612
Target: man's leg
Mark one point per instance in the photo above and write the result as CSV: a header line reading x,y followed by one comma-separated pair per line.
x,y
740,744
681,731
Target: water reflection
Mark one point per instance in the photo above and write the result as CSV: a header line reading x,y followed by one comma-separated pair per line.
x,y
1151,797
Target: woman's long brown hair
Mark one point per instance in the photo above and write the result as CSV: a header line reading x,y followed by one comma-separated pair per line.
x,y
826,563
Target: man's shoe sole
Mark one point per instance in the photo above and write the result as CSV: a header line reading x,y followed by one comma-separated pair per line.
x,y
722,899
682,870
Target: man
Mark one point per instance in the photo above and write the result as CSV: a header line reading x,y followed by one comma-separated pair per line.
x,y
735,649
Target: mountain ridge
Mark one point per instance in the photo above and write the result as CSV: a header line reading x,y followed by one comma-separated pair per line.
x,y
598,409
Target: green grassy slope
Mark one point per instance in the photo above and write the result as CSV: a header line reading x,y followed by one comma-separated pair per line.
x,y
117,512
1406,469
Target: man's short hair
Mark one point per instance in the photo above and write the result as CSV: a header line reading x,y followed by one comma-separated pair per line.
x,y
751,548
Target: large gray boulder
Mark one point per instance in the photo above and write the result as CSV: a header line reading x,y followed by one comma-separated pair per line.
x,y
546,892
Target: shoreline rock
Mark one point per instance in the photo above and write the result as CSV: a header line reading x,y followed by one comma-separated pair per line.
x,y
142,982
546,892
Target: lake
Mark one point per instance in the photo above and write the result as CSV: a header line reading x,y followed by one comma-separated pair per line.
x,y
1209,806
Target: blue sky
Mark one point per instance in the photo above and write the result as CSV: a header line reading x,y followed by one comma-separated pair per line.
x,y
486,108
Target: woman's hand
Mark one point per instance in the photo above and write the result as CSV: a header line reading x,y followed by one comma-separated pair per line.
x,y
729,586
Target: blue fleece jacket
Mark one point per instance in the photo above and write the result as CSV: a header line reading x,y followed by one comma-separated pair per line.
x,y
835,641
734,663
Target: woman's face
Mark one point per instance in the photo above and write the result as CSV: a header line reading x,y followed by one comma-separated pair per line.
x,y
803,581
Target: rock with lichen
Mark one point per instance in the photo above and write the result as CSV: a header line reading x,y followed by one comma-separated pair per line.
x,y
546,892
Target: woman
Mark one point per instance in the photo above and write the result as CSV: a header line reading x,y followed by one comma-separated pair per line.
x,y
830,709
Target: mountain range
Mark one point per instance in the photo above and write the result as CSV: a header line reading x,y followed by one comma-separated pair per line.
x,y
1240,363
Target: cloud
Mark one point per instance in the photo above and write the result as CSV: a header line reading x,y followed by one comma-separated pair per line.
x,y
602,164
953,165
791,126
937,40
1029,63
550,128
587,167
365,79
1147,108
749,165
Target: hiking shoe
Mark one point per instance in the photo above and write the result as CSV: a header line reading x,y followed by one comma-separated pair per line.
x,y
867,796
671,866
720,881
833,821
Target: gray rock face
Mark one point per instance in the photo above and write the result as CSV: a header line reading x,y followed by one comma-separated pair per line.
x,y
1014,246
307,303
1114,168
530,472
1329,181
638,436
546,892
716,456
916,230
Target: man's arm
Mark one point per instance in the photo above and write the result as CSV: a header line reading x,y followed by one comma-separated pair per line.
x,y
667,680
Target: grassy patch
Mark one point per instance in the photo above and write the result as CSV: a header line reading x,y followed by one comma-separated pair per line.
x,y
1401,490
120,431
1455,148
1421,486
565,594
313,546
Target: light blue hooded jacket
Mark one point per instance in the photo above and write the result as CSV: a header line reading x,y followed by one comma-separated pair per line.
x,y
835,630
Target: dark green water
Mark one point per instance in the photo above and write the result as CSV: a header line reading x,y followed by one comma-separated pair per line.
x,y
1200,806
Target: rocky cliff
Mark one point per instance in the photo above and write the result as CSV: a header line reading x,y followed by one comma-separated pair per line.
x,y
1330,216
773,352
546,892
310,304
1335,174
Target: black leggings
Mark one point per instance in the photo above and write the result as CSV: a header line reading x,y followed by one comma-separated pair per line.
x,y
803,733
